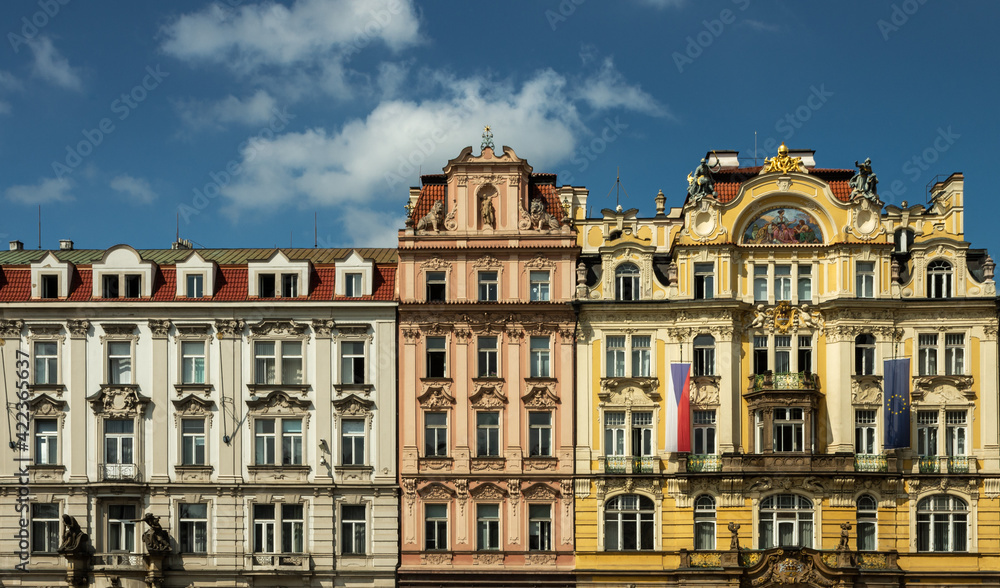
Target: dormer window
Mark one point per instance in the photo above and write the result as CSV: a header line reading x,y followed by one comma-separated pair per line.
x,y
627,282
265,286
195,286
112,286
289,285
109,287
50,286
353,284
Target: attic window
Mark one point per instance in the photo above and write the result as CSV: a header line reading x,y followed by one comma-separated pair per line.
x,y
110,287
265,287
50,286
132,285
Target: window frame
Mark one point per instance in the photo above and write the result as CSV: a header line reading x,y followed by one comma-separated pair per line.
x,y
438,540
540,356
865,349
187,529
279,526
438,430
357,547
704,281
279,357
45,531
866,433
543,432
940,279
927,520
126,525
198,280
629,351
704,355
866,515
704,431
539,286
539,527
864,279
52,363
355,358
184,436
628,282
488,537
436,279
796,425
488,357
353,438
354,284
645,515
801,507
492,433
278,444
705,518
488,285
183,341
431,354
109,378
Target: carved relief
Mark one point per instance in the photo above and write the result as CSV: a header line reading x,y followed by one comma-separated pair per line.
x,y
113,401
11,329
436,395
277,327
488,395
436,491
629,391
705,390
159,327
866,390
540,396
488,492
540,492
323,327
487,261
278,403
229,328
352,405
943,389
539,261
435,263
78,328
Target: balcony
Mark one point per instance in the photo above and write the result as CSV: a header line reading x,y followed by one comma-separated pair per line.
x,y
616,464
870,463
783,381
704,463
928,465
959,464
119,472
623,464
119,561
293,562
646,464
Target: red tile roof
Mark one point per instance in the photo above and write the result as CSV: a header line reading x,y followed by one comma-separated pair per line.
x,y
16,285
728,181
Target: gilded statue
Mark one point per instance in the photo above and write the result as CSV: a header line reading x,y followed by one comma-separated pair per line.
x,y
783,163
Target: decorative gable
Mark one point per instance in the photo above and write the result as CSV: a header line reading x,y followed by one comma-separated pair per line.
x,y
47,268
194,265
123,262
277,266
354,272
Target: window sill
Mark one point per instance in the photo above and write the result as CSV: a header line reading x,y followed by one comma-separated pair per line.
x,y
203,389
491,464
435,464
353,473
487,380
55,390
279,473
193,473
41,473
363,389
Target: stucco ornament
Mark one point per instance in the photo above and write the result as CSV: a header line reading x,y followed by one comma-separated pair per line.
x,y
540,218
783,163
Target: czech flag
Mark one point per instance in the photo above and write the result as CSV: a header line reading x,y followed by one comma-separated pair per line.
x,y
679,408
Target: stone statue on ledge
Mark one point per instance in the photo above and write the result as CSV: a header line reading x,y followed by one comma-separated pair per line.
x,y
864,183
74,540
701,183
734,543
155,537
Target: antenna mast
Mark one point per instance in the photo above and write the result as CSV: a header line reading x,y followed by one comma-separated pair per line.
x,y
618,188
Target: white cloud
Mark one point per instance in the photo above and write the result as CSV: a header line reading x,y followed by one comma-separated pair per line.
x,y
664,3
136,188
252,110
250,37
609,89
367,228
51,66
46,191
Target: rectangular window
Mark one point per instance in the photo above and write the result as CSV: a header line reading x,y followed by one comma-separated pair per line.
x,y
788,429
121,528
291,441
758,431
193,441
704,432
865,280
487,434
927,350
805,282
704,281
192,362
487,286
436,434
782,282
760,364
539,434
292,528
352,362
642,434
50,286
487,527
263,528
864,355
264,438
352,529
264,362
614,433
615,348
782,354
45,527
118,442
109,286
352,442
927,433
46,441
956,432
539,286
488,357
353,285
865,431
119,362
265,286
193,526
805,353
760,283
954,354
46,362
195,285
291,362
436,527
704,355
133,283
539,527
289,285
437,353
641,356
540,357
436,286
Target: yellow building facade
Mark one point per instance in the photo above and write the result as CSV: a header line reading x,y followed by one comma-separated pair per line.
x,y
785,289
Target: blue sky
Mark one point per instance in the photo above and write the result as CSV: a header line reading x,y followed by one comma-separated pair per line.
x,y
246,118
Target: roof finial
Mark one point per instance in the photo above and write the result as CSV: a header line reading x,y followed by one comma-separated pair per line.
x,y
487,139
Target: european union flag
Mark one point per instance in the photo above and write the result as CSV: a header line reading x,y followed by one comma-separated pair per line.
x,y
897,403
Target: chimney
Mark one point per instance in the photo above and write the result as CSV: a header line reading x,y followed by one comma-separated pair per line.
x,y
723,159
16,246
65,245
181,244
808,156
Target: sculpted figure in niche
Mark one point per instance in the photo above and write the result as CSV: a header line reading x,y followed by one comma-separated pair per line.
x,y
540,218
488,212
432,218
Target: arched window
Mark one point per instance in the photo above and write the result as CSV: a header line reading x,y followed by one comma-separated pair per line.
x,y
704,355
704,522
786,520
939,279
627,282
864,354
866,519
628,523
942,524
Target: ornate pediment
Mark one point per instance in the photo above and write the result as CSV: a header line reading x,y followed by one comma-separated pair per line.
x,y
193,329
436,395
276,327
277,403
118,329
540,491
118,400
352,405
539,261
192,405
435,263
46,330
488,491
436,491
488,395
866,390
629,391
943,389
487,261
361,330
540,395
44,405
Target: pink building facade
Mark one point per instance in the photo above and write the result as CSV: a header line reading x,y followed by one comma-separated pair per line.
x,y
486,277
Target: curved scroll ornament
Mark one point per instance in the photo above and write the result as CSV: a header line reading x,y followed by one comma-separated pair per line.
x,y
450,223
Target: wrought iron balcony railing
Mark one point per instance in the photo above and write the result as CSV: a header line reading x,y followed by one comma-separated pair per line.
x,y
704,463
616,464
645,464
870,463
928,465
958,464
785,381
119,472
119,561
